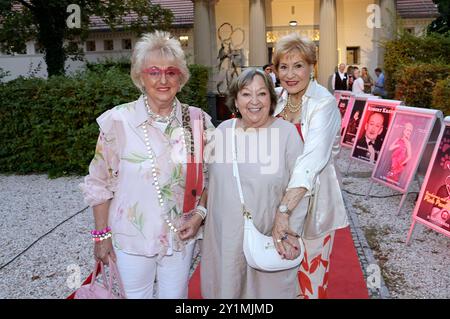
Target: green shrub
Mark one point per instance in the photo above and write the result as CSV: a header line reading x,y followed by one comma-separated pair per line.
x,y
409,49
49,125
415,83
441,96
195,91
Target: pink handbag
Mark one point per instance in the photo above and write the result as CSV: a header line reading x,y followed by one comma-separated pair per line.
x,y
101,290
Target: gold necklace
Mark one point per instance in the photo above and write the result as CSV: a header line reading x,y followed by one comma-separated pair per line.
x,y
293,108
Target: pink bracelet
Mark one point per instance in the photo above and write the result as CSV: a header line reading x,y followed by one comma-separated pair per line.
x,y
96,233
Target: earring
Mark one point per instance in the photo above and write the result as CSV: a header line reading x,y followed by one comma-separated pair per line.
x,y
311,76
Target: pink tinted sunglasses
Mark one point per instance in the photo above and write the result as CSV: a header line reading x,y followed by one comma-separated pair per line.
x,y
155,73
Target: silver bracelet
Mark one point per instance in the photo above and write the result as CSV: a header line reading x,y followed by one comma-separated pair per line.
x,y
200,214
202,209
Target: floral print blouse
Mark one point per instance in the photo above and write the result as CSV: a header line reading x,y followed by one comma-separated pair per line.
x,y
121,172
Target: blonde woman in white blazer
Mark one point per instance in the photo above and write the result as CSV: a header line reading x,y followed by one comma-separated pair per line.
x,y
313,110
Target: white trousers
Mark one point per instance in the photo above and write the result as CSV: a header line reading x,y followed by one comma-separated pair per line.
x,y
138,274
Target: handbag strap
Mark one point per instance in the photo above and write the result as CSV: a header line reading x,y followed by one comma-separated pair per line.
x,y
245,212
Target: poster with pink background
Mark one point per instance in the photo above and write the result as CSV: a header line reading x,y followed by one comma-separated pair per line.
x,y
372,129
402,149
433,205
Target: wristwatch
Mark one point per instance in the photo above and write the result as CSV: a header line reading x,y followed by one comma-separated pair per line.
x,y
284,209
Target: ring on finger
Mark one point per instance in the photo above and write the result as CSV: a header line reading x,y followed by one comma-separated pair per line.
x,y
284,237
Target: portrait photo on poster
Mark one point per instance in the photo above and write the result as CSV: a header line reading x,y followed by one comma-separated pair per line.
x,y
402,149
356,110
342,104
433,204
372,130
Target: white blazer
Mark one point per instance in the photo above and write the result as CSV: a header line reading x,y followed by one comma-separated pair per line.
x,y
315,168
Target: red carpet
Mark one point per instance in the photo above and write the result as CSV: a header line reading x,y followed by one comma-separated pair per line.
x,y
346,278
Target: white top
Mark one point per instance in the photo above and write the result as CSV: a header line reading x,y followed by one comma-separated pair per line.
x,y
358,86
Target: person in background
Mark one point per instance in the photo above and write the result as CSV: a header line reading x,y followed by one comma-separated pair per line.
x,y
268,69
145,182
340,79
350,80
368,82
358,82
379,84
313,110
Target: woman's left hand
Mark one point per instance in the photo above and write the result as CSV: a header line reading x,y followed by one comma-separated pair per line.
x,y
284,238
190,228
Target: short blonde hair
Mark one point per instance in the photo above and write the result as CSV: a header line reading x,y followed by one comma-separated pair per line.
x,y
291,42
159,42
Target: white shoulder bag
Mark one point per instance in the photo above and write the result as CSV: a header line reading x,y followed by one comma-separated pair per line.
x,y
259,249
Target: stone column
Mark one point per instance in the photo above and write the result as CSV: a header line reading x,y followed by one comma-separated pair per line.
x,y
387,30
202,47
257,34
328,54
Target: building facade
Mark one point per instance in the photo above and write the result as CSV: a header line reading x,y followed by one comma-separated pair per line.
x,y
230,34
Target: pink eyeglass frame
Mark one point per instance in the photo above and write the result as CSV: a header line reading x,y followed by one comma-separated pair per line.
x,y
161,71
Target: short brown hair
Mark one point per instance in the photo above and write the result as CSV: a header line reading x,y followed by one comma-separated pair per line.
x,y
291,42
242,81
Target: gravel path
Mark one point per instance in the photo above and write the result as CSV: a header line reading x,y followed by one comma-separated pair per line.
x,y
420,270
30,206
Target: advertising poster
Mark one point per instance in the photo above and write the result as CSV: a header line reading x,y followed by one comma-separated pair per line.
x,y
372,129
402,149
343,102
337,94
433,205
356,110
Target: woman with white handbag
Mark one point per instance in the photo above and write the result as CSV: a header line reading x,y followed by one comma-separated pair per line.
x,y
253,158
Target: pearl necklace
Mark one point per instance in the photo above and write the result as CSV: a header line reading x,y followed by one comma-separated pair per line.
x,y
293,108
157,117
152,158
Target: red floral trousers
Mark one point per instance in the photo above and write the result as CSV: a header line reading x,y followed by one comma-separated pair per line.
x,y
313,271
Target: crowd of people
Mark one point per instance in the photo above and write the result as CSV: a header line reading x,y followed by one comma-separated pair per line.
x,y
156,184
358,81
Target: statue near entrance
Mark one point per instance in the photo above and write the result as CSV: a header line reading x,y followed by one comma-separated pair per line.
x,y
230,55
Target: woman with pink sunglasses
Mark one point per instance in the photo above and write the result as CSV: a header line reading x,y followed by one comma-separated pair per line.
x,y
146,180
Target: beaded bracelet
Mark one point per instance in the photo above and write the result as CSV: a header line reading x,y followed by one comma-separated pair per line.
x,y
99,235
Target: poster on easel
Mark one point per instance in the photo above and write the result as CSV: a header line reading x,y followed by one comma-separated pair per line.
x,y
337,94
372,129
352,118
343,102
433,204
404,145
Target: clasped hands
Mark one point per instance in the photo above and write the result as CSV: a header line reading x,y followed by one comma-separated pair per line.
x,y
284,239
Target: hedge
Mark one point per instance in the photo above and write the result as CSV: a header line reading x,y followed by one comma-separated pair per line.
x,y
415,83
409,49
441,96
48,126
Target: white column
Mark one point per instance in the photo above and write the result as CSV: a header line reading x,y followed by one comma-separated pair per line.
x,y
202,47
388,12
257,36
328,54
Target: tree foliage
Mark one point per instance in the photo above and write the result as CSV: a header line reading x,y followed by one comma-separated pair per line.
x,y
442,23
46,22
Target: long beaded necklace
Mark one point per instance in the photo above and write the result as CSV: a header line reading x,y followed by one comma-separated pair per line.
x,y
152,158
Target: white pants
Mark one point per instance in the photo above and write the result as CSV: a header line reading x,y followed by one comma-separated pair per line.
x,y
138,274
